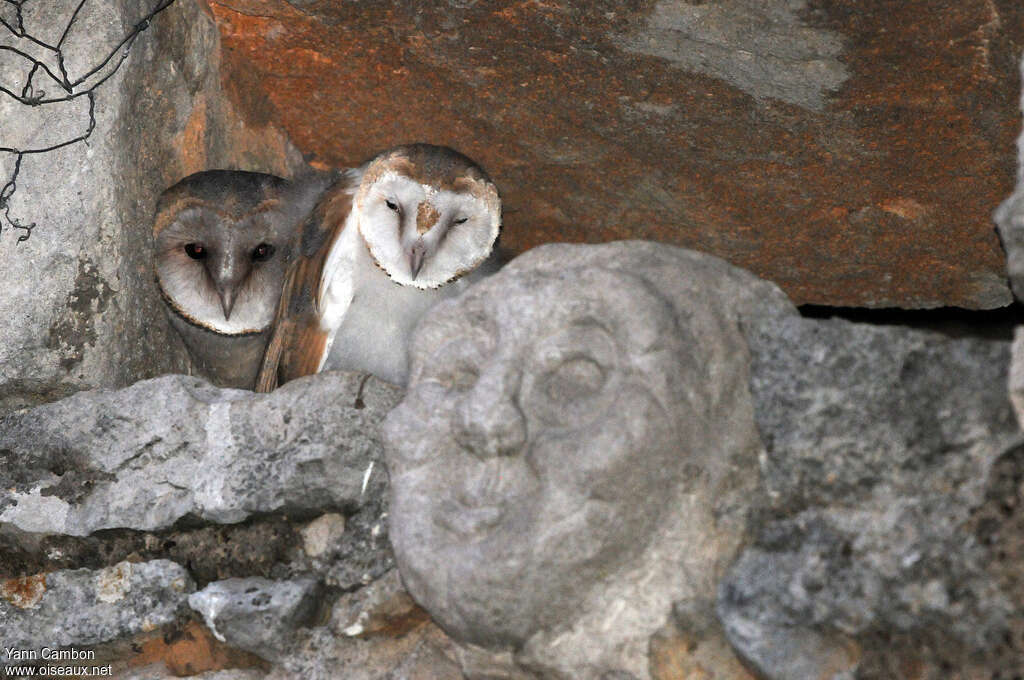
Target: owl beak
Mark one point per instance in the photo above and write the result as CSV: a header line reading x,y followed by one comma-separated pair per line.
x,y
416,257
227,299
228,274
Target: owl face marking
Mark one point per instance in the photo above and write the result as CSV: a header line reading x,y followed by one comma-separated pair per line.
x,y
425,231
217,268
230,263
220,243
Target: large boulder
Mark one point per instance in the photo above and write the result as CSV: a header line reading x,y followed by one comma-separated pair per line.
x,y
850,152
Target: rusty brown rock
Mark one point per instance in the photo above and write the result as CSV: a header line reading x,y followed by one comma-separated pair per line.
x,y
679,655
850,151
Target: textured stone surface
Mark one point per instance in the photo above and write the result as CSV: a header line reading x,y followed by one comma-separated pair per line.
x,y
158,672
79,307
257,614
148,455
374,633
881,446
422,652
1009,218
850,151
1016,377
253,548
76,608
381,608
184,649
575,451
694,653
74,305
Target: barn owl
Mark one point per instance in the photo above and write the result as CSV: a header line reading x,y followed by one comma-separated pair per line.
x,y
385,243
221,240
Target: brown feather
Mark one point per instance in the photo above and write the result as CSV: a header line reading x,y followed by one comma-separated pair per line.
x,y
298,342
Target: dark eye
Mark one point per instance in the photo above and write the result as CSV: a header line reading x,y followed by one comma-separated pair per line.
x,y
262,252
390,205
461,220
197,251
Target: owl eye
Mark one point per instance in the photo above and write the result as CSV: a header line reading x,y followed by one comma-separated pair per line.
x,y
262,252
197,251
461,220
390,205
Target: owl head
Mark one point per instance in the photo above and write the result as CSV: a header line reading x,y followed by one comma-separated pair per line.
x,y
221,240
427,214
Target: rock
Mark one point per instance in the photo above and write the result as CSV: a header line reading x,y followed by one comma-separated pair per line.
x,y
81,607
373,633
256,614
762,48
422,652
576,452
1009,218
163,449
810,142
258,547
880,442
382,607
678,653
187,648
1016,378
158,672
320,534
848,409
80,308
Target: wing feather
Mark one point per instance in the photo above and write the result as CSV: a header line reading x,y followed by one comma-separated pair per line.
x,y
298,342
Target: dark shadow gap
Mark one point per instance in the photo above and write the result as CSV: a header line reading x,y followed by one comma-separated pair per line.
x,y
956,322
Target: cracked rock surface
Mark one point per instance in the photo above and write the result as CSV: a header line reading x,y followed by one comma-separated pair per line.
x,y
82,607
163,449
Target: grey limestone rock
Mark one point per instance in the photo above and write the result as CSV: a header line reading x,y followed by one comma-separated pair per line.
x,y
78,311
1016,378
257,614
81,607
576,452
374,633
79,305
322,655
880,442
163,449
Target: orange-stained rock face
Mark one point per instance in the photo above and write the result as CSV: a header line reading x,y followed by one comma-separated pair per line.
x,y
850,151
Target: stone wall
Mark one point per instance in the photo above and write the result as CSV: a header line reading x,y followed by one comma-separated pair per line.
x,y
850,152
79,303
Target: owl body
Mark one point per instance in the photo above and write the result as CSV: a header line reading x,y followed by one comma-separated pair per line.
x,y
385,244
224,359
221,242
377,308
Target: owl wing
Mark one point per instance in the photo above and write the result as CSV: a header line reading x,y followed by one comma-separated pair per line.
x,y
299,343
